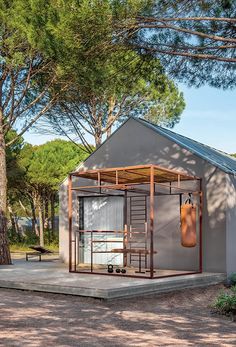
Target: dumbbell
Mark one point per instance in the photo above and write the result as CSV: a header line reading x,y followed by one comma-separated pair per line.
x,y
118,271
110,268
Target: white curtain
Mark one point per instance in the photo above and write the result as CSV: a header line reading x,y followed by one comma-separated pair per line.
x,y
103,213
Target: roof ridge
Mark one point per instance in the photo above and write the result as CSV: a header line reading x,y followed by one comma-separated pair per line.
x,y
188,138
220,159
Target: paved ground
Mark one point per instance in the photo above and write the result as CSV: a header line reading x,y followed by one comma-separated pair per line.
x,y
174,319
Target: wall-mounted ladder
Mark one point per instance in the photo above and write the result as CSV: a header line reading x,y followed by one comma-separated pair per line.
x,y
138,227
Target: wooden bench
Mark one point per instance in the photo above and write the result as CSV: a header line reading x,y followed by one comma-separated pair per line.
x,y
32,255
38,252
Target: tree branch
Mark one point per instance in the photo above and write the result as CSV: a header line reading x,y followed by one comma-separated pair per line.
x,y
187,31
190,55
175,19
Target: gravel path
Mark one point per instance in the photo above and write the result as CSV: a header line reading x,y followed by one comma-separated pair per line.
x,y
175,319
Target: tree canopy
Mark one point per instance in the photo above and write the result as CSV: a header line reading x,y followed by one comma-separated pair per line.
x,y
48,164
42,169
194,40
119,85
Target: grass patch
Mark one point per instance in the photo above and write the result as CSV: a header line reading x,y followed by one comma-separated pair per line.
x,y
21,247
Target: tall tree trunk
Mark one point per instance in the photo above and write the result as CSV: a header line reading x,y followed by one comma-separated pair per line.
x,y
5,257
110,118
53,212
33,216
41,229
98,138
33,204
11,215
46,213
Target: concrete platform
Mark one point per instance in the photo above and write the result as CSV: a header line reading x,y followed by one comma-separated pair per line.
x,y
53,276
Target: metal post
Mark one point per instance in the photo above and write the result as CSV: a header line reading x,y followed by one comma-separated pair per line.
x,y
91,265
178,185
125,235
200,225
117,178
99,182
151,219
70,220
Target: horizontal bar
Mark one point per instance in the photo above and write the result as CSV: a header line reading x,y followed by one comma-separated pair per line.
x,y
101,231
106,252
111,186
107,241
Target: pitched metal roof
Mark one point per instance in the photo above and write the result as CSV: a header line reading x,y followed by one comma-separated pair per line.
x,y
220,159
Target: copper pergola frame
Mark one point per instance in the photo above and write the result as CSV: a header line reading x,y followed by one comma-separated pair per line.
x,y
128,179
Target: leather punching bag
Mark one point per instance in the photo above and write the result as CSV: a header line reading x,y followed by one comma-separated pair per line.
x,y
188,225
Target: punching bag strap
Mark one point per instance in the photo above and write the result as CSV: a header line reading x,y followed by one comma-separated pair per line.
x,y
189,199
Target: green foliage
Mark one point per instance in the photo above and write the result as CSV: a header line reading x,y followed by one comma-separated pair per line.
x,y
29,238
225,303
196,59
232,279
24,247
13,236
14,172
110,88
48,164
51,238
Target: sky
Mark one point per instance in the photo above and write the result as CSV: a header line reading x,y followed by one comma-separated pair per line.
x,y
209,117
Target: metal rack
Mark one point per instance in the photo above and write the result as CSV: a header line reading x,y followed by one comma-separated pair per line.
x,y
133,180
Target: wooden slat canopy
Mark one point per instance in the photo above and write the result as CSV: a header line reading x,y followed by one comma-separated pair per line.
x,y
134,174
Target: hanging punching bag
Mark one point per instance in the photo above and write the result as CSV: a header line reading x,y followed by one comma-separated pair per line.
x,y
188,225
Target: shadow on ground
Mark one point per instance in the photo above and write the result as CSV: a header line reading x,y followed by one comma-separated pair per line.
x,y
181,318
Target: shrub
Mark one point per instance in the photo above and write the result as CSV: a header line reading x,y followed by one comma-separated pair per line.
x,y
28,238
232,279
21,242
51,237
225,303
13,236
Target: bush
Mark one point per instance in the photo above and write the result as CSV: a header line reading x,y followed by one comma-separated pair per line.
x,y
51,238
232,279
225,303
13,236
28,238
19,242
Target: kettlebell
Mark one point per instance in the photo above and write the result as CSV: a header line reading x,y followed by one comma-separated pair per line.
x,y
110,268
123,271
118,271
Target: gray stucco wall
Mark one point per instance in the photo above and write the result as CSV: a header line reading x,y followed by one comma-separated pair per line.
x,y
231,225
135,144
